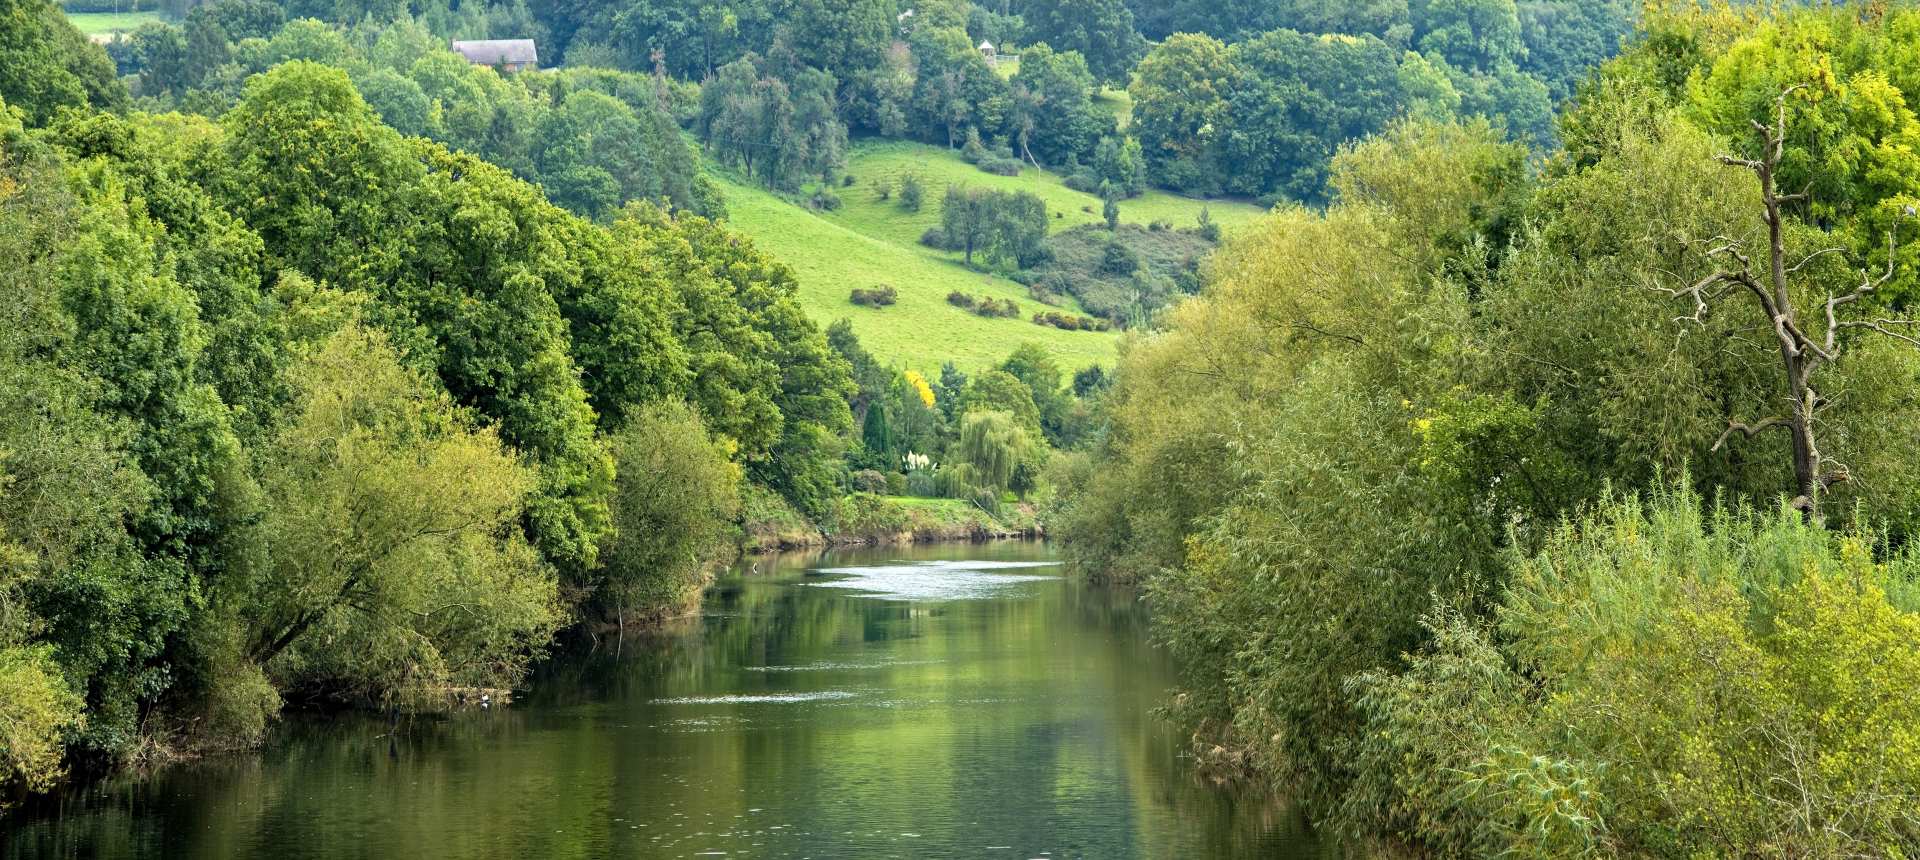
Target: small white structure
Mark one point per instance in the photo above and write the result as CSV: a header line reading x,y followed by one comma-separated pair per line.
x,y
507,55
992,54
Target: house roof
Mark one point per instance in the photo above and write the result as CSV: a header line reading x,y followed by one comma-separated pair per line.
x,y
986,46
496,52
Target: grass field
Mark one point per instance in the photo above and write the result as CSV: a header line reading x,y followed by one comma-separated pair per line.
x,y
922,330
870,242
107,23
938,168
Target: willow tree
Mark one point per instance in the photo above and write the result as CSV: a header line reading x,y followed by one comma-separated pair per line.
x,y
992,444
1810,338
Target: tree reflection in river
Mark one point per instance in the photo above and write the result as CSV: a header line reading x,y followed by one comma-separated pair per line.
x,y
1012,720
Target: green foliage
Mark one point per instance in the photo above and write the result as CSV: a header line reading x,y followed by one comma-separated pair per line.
x,y
678,490
1000,391
46,64
36,708
1099,30
1343,468
398,567
1007,228
992,446
1055,120
222,481
780,132
1768,659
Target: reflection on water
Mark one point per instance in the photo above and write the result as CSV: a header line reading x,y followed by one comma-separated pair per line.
x,y
946,702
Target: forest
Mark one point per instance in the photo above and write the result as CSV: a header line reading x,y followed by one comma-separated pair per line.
x,y
1561,508
303,410
1537,478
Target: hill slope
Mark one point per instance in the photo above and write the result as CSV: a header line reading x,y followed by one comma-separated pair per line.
x,y
870,242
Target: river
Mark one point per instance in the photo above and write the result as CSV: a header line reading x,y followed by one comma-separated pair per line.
x,y
953,701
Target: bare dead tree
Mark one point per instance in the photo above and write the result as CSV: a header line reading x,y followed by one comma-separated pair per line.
x,y
1802,354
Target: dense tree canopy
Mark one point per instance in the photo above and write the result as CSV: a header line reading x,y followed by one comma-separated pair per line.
x,y
1407,465
300,405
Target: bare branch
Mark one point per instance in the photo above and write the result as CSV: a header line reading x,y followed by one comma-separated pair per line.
x,y
1814,256
1749,430
1881,326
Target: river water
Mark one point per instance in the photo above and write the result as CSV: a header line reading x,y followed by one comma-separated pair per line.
x,y
957,701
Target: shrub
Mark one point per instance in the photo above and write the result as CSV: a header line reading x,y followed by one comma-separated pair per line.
x,y
1001,166
1085,183
935,238
961,300
973,151
870,481
878,297
896,484
999,308
676,492
1208,229
1119,260
922,483
848,181
1070,322
824,200
912,193
36,709
882,189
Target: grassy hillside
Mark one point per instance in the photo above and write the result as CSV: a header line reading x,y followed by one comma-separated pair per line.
x,y
938,168
920,332
870,242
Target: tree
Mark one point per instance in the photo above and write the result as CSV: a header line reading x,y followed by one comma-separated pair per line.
x,y
912,193
1180,108
955,87
1008,227
46,64
1119,164
781,133
1055,119
966,219
1099,30
1000,391
1470,34
876,434
1806,347
1036,369
397,565
678,489
1297,100
463,260
993,446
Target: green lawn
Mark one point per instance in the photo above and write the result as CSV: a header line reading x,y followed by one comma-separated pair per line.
x,y
870,242
105,23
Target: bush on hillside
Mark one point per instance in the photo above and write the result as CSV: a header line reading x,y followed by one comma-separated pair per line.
x,y
878,297
1002,166
1070,322
1166,265
912,194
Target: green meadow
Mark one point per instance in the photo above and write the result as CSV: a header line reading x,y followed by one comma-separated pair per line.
x,y
106,23
871,242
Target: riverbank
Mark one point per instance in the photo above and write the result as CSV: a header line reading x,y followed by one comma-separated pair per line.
x,y
939,700
865,519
